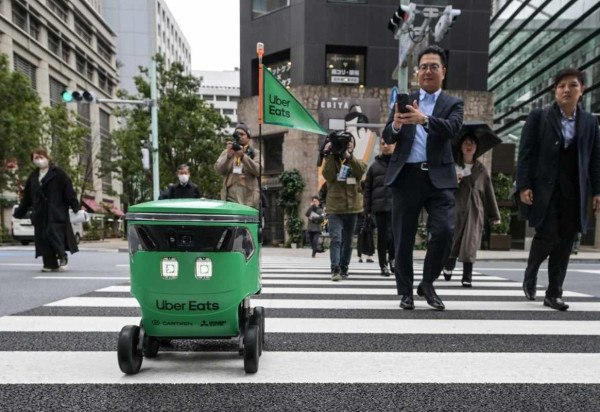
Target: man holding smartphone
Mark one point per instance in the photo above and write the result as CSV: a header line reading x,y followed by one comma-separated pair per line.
x,y
421,174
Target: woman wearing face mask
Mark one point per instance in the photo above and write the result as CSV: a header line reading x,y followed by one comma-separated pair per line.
x,y
49,193
183,189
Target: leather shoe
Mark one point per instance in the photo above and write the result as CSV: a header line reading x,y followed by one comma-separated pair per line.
x,y
407,302
385,271
529,293
431,297
447,275
556,303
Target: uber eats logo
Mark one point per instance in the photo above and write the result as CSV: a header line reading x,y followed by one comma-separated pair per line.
x,y
278,106
191,305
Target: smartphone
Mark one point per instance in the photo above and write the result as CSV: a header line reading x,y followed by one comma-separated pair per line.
x,y
402,99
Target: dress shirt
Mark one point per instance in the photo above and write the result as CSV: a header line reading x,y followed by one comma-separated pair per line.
x,y
418,152
568,127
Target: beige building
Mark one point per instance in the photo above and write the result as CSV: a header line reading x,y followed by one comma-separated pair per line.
x,y
60,44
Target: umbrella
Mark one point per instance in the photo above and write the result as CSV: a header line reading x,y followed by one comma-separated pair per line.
x,y
486,137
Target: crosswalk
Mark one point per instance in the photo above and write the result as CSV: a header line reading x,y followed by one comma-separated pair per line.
x,y
321,333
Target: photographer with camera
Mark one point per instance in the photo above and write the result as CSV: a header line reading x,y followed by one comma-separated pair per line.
x,y
239,164
343,172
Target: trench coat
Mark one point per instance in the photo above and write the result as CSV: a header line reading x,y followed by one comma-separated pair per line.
x,y
49,201
475,201
240,187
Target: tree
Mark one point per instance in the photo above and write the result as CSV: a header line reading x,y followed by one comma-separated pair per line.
x,y
20,126
66,141
188,130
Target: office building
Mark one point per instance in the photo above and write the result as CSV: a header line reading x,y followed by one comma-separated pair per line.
x,y
221,89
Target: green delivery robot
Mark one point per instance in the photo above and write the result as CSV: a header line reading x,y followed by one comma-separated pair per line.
x,y
194,265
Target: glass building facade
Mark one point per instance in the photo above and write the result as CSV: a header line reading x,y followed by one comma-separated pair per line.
x,y
530,41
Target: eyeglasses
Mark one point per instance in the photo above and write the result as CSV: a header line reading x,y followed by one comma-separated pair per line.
x,y
433,67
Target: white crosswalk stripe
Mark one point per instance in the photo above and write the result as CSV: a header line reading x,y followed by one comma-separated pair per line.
x,y
313,328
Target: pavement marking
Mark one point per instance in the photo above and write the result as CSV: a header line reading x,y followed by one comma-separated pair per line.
x,y
373,291
83,277
325,325
20,264
383,282
127,302
304,367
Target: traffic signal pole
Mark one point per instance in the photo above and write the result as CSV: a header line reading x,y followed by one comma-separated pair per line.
x,y
402,66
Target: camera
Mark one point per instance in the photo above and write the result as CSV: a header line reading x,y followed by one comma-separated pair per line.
x,y
339,140
237,146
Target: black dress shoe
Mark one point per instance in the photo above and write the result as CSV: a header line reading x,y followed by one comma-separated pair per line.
x,y
556,303
431,297
466,281
385,271
407,302
447,274
529,293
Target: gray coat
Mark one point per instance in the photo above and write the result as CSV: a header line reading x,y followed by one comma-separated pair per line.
x,y
475,200
314,223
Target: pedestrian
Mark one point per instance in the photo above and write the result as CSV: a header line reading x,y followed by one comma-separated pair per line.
x,y
475,201
314,213
378,202
421,174
49,194
364,237
558,169
184,188
239,165
342,171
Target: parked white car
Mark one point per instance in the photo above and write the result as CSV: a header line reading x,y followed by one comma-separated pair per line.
x,y
22,229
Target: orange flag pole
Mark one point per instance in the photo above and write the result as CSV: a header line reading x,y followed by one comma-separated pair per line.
x,y
260,50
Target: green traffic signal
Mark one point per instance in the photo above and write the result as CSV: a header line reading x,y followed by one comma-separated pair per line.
x,y
67,96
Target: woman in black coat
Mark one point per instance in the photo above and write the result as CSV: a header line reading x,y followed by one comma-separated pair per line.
x,y
49,193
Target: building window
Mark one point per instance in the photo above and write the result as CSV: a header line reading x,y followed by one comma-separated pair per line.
x,y
345,68
228,112
208,97
263,7
53,42
234,98
105,148
273,154
82,28
221,98
59,8
29,70
104,50
26,20
56,89
102,81
66,52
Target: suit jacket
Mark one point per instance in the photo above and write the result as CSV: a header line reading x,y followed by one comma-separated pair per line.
x,y
444,125
539,159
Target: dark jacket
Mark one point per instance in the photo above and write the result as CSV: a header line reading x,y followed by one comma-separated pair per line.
x,y
539,158
377,197
314,223
343,198
179,191
444,124
49,201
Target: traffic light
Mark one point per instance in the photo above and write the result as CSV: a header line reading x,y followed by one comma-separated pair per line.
x,y
78,96
404,16
445,22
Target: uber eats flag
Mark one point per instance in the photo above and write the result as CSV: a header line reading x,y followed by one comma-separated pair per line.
x,y
280,107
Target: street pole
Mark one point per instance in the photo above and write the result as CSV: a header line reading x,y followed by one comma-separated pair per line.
x,y
402,63
154,129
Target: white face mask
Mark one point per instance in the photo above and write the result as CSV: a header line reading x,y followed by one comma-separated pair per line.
x,y
183,179
41,163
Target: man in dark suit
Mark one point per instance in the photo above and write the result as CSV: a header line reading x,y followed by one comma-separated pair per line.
x,y
559,161
183,189
421,174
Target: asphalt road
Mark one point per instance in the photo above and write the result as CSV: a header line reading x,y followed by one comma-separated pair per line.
x,y
329,346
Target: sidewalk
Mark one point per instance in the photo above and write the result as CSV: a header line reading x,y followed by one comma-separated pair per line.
x,y
585,254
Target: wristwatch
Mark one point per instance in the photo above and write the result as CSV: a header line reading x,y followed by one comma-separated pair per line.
x,y
426,122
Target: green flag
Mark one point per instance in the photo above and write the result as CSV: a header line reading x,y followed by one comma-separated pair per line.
x,y
280,107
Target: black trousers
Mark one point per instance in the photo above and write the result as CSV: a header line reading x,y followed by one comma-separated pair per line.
x,y
385,238
314,241
50,261
554,239
411,192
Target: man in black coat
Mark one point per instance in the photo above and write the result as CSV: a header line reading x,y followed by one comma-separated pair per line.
x,y
559,162
377,200
421,174
183,189
49,193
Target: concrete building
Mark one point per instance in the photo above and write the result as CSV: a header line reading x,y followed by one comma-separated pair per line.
x,y
221,89
337,57
529,44
144,28
60,45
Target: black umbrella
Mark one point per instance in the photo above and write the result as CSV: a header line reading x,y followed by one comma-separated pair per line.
x,y
486,138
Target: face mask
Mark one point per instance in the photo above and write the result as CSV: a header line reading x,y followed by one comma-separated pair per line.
x,y
41,163
183,179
